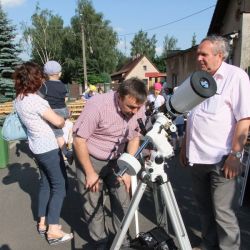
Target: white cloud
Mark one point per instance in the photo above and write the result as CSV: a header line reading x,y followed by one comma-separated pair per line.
x,y
12,3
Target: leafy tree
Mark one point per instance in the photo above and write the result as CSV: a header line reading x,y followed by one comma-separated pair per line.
x,y
9,51
169,43
100,40
45,36
121,60
142,45
193,40
102,78
160,63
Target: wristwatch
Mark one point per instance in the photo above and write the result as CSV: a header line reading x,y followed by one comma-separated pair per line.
x,y
236,154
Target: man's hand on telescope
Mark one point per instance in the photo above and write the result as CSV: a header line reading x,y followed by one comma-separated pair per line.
x,y
126,180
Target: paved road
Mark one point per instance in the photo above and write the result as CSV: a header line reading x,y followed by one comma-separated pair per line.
x,y
18,194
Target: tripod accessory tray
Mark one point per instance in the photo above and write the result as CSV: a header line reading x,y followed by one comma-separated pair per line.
x,y
155,239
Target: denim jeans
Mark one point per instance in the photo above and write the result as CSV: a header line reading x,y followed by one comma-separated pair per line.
x,y
53,185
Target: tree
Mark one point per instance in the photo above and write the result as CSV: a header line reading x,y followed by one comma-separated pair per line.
x,y
45,36
169,43
100,40
142,45
160,63
121,60
193,40
9,51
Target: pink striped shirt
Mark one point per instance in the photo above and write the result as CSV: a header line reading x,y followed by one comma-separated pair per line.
x,y
211,124
104,126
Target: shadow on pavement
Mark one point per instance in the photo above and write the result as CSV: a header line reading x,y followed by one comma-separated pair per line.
x,y
4,247
27,178
23,147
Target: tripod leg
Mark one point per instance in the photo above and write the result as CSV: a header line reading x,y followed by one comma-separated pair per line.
x,y
133,189
160,207
121,232
175,216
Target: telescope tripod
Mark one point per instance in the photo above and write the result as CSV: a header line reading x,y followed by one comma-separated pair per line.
x,y
155,175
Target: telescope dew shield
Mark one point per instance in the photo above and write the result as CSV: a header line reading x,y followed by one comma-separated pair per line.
x,y
194,90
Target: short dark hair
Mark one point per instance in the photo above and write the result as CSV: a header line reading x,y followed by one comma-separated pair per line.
x,y
135,88
28,78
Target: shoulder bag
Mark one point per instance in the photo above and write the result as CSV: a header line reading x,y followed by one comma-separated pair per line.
x,y
13,129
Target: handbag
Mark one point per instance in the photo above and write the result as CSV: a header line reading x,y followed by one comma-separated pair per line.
x,y
13,129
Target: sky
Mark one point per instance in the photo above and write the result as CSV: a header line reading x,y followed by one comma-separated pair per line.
x,y
178,18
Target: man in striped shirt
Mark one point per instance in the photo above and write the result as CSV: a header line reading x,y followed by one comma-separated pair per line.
x,y
106,126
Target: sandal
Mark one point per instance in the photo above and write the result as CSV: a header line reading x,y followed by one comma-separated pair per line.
x,y
41,229
58,237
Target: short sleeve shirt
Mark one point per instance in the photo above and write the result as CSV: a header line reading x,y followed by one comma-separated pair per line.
x,y
158,101
40,135
54,92
211,124
105,128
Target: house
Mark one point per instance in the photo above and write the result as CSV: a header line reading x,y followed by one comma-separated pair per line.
x,y
180,64
142,68
231,19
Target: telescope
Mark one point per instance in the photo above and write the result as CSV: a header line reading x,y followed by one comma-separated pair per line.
x,y
193,91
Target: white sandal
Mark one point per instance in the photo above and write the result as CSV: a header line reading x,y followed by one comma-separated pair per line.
x,y
58,237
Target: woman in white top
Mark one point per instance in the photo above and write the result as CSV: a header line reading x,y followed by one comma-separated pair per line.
x,y
156,97
154,101
35,113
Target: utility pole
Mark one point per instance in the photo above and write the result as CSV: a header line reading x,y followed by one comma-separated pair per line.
x,y
85,84
85,77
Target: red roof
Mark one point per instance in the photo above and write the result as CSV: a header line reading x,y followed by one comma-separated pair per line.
x,y
155,74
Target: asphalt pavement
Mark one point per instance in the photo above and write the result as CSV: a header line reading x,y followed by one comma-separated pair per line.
x,y
18,206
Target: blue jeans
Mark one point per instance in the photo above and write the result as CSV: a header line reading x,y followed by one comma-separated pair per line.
x,y
53,185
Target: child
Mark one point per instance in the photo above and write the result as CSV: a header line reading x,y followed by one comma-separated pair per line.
x,y
156,97
54,91
91,91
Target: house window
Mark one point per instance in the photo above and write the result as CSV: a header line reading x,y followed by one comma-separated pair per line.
x,y
145,67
